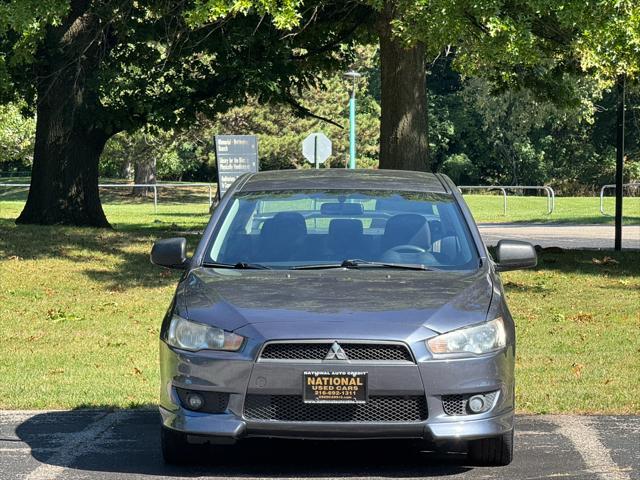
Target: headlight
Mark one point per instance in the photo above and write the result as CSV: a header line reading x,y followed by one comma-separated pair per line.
x,y
483,338
197,336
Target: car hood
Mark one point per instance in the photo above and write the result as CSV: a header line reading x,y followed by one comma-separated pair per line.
x,y
364,300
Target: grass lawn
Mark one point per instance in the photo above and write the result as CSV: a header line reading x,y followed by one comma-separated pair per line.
x,y
188,206
80,311
489,209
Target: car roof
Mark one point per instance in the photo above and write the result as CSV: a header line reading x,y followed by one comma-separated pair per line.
x,y
343,179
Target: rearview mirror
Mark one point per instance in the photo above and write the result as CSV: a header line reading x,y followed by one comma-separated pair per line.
x,y
514,255
341,209
170,253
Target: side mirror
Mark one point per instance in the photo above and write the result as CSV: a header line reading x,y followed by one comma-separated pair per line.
x,y
514,254
170,253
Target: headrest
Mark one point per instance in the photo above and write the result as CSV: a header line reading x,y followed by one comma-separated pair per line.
x,y
283,224
406,229
345,227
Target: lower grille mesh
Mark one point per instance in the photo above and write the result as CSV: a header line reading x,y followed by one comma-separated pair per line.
x,y
291,408
455,404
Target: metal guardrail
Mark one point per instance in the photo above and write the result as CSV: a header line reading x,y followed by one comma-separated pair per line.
x,y
551,194
612,185
153,186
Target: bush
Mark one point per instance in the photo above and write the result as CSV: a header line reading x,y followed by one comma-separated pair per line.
x,y
460,169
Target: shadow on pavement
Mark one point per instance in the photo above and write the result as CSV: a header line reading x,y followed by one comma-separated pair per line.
x,y
131,445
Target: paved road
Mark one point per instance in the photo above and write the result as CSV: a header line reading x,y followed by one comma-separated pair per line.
x,y
123,444
561,235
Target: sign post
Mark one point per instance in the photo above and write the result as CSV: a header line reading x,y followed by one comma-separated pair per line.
x,y
316,148
235,156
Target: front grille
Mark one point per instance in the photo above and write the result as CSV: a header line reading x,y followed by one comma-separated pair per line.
x,y
291,408
355,351
295,351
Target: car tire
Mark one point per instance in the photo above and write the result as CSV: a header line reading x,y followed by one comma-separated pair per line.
x,y
497,451
175,448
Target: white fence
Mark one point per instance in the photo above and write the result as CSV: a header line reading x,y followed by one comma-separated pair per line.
x,y
612,185
551,194
151,186
154,187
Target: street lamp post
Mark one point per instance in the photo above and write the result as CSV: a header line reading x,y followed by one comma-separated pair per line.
x,y
352,75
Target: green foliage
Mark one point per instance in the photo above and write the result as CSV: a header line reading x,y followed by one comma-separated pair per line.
x,y
22,28
285,13
178,156
17,134
533,42
164,63
515,137
460,169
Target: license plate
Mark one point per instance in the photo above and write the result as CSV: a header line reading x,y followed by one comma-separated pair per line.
x,y
335,387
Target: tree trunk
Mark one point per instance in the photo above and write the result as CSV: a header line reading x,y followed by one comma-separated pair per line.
x,y
127,169
144,172
64,181
403,124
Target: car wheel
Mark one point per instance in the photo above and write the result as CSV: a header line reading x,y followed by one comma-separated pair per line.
x,y
175,448
496,451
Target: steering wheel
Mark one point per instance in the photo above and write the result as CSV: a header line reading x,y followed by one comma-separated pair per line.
x,y
406,249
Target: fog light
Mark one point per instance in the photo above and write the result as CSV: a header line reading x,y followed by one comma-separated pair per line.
x,y
476,403
195,401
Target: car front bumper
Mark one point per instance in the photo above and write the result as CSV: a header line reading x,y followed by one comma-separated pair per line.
x,y
430,378
228,428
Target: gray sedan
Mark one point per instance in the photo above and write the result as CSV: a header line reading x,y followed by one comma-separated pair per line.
x,y
333,304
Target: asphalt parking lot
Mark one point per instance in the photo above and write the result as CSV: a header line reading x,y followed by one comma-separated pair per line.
x,y
124,444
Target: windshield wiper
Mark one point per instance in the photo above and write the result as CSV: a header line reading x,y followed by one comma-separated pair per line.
x,y
239,265
349,263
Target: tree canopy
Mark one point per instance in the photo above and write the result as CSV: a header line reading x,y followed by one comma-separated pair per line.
x,y
92,69
601,37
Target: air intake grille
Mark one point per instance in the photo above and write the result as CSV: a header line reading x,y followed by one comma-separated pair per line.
x,y
457,404
214,402
354,351
291,408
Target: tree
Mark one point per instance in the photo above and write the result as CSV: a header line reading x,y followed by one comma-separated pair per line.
x,y
539,45
92,69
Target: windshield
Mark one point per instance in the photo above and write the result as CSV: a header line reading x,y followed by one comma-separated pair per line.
x,y
293,229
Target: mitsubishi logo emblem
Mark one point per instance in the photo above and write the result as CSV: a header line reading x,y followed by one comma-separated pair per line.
x,y
336,353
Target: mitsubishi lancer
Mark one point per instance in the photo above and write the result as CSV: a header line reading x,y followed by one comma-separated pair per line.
x,y
340,304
